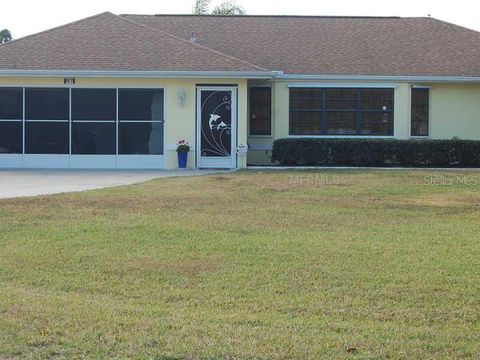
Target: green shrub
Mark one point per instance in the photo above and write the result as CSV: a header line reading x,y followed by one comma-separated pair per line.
x,y
367,152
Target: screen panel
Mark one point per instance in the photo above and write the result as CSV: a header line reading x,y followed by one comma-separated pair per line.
x,y
11,137
94,104
46,138
47,104
144,138
94,138
140,105
11,103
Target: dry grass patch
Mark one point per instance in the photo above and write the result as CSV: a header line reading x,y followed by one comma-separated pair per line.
x,y
290,264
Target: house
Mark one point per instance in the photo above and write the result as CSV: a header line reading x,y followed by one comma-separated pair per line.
x,y
119,91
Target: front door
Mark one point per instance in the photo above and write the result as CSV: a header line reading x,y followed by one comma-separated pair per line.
x,y
216,127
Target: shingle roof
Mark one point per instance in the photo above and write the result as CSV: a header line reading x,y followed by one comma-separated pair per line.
x,y
293,44
335,45
109,42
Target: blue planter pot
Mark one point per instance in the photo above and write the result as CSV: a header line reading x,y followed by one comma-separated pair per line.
x,y
182,159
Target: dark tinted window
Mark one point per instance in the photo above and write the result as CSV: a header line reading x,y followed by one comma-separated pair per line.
x,y
94,138
260,111
420,112
306,99
140,138
341,111
376,123
375,99
11,103
140,105
46,138
46,104
11,135
341,99
305,122
341,123
94,104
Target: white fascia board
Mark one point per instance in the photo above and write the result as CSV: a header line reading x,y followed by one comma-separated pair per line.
x,y
428,79
343,85
140,74
263,75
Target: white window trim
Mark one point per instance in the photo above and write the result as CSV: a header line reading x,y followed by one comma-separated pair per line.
x,y
344,85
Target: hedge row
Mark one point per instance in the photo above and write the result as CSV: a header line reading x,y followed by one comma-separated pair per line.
x,y
360,152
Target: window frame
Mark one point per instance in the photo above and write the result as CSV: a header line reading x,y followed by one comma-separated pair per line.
x,y
359,110
428,120
250,134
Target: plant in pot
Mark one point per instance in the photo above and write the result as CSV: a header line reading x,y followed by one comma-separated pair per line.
x,y
182,152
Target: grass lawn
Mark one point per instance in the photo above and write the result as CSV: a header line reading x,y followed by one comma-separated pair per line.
x,y
364,264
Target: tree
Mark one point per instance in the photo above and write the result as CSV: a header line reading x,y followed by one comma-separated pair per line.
x,y
228,8
201,7
5,36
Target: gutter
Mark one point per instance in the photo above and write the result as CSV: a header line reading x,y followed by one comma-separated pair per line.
x,y
265,75
260,75
430,79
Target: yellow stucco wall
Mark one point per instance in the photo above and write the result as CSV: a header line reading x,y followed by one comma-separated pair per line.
x,y
179,121
454,111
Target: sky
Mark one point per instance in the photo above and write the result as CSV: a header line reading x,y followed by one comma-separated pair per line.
x,y
27,17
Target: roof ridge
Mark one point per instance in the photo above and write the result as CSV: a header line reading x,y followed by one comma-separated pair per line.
x,y
191,44
272,16
56,28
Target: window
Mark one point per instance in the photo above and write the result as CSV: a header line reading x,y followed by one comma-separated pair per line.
x,y
341,111
140,118
11,120
260,111
420,112
340,107
94,116
47,114
306,111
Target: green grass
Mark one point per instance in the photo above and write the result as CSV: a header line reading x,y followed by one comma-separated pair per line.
x,y
363,264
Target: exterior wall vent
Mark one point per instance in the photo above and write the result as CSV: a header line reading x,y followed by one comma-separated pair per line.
x,y
194,38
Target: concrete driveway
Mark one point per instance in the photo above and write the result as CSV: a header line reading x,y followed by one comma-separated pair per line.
x,y
19,183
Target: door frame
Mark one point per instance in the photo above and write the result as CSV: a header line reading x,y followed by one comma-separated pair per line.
x,y
234,127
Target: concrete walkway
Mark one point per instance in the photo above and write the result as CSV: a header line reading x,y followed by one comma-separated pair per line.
x,y
19,183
